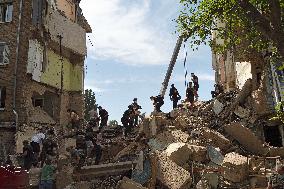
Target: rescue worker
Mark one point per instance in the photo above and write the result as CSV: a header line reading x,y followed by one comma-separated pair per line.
x,y
49,147
218,90
158,102
74,119
190,94
194,79
136,107
47,175
28,155
127,120
103,117
36,141
97,150
174,96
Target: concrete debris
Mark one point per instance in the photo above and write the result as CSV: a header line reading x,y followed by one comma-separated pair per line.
x,y
210,145
172,175
217,107
127,183
235,167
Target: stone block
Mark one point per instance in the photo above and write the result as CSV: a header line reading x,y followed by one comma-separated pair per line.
x,y
242,112
215,139
127,183
164,139
172,175
181,153
235,167
218,107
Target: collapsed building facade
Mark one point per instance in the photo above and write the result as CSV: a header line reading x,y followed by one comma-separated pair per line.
x,y
235,67
42,53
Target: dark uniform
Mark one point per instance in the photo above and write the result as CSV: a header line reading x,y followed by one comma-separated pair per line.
x,y
135,106
158,102
104,117
127,120
190,94
174,95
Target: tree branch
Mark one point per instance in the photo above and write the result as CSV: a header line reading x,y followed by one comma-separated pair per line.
x,y
275,14
257,19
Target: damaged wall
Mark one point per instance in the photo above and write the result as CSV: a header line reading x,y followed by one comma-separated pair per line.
x,y
51,75
243,73
68,8
74,36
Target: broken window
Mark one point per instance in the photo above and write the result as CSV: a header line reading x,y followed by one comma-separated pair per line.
x,y
39,9
2,97
4,53
38,102
273,136
6,12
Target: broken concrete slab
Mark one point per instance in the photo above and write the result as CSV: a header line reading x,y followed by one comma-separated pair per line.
x,y
242,112
235,167
218,107
215,139
172,175
181,153
164,139
246,138
127,183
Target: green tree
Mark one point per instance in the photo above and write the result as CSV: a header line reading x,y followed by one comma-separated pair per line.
x,y
90,102
113,123
259,23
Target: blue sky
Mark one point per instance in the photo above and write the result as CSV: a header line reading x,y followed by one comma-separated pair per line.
x,y
133,41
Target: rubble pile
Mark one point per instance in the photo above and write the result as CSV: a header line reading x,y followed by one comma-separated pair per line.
x,y
215,144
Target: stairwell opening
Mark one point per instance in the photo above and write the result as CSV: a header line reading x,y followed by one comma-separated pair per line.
x,y
273,136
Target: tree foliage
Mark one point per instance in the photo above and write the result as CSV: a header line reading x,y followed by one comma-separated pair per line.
x,y
113,123
259,23
90,102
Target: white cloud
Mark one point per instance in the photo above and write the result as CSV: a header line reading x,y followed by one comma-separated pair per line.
x,y
128,33
201,77
94,88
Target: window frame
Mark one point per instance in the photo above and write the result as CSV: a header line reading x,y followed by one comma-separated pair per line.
x,y
7,15
5,54
2,95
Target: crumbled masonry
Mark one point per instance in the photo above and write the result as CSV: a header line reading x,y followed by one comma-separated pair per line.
x,y
217,144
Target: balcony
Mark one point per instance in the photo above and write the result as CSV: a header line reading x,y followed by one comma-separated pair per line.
x,y
74,36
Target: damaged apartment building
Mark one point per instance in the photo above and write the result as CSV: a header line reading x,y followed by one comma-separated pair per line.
x,y
234,68
42,53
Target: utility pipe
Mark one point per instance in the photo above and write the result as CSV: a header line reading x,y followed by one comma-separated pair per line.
x,y
16,63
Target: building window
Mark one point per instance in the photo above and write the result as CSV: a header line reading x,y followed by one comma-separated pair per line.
x,y
6,12
4,53
38,102
2,97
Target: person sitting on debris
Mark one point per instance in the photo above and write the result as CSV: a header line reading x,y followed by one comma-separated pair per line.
x,y
194,79
174,96
28,155
47,175
74,119
49,147
218,90
190,94
127,120
37,140
103,117
136,107
158,102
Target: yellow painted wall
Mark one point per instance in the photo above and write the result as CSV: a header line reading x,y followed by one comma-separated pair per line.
x,y
72,74
68,7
